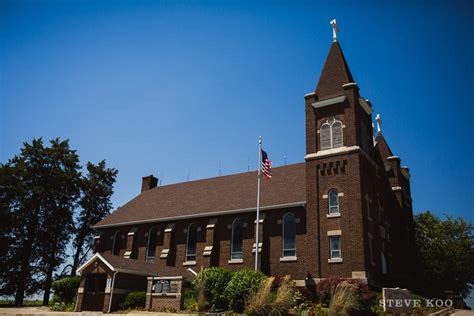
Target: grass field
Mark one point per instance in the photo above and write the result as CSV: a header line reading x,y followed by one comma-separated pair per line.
x,y
4,303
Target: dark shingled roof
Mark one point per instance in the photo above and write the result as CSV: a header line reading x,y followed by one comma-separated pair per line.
x,y
213,195
130,265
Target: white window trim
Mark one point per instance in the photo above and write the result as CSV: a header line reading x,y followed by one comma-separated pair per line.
x,y
289,259
331,258
331,139
283,236
338,203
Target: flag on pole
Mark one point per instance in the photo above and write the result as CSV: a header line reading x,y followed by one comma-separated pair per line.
x,y
266,165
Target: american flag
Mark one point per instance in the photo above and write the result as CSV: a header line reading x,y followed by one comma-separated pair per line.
x,y
266,165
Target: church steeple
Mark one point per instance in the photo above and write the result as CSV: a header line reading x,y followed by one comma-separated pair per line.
x,y
335,72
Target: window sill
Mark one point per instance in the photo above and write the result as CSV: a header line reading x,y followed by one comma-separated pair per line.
x,y
235,261
333,215
288,259
189,263
166,294
335,260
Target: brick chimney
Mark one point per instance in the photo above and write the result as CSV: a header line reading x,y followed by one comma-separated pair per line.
x,y
149,182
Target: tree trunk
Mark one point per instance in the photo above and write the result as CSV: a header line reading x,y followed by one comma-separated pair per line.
x,y
77,254
24,266
47,285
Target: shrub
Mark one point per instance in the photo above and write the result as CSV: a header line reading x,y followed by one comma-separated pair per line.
x,y
190,301
327,287
65,289
344,300
264,302
62,307
213,282
243,283
134,300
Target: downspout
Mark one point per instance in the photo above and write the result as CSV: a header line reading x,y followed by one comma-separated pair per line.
x,y
112,291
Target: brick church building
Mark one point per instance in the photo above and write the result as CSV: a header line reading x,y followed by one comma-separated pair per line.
x,y
346,211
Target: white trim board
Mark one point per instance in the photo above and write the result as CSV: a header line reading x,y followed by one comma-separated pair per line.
x,y
323,103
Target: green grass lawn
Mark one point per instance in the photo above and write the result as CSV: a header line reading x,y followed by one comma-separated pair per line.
x,y
6,303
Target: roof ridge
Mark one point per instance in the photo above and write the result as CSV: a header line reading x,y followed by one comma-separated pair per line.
x,y
224,176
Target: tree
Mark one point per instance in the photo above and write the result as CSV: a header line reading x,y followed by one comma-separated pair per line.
x,y
61,191
97,189
445,255
27,197
40,189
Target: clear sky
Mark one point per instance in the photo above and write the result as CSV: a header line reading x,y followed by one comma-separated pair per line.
x,y
169,87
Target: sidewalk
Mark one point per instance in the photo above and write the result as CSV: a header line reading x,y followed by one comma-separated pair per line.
x,y
44,311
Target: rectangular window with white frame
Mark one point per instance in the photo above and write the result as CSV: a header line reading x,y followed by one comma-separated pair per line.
x,y
335,247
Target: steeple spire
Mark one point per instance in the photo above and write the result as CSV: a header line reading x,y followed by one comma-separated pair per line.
x,y
335,72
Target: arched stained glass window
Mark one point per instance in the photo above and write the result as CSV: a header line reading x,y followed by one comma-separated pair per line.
x,y
289,235
331,134
236,242
151,246
191,243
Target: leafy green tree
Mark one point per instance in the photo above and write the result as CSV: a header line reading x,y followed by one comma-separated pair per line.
x,y
61,190
97,189
40,189
32,199
445,255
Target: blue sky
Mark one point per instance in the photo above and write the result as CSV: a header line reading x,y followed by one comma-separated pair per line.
x,y
167,87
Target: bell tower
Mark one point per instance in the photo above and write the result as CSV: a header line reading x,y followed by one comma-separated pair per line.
x,y
338,136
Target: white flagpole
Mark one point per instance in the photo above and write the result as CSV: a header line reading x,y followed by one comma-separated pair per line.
x,y
258,200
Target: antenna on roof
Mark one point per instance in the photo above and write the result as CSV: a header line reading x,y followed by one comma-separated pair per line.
x,y
284,159
189,170
220,170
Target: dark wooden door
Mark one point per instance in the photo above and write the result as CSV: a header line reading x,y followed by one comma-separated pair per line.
x,y
94,292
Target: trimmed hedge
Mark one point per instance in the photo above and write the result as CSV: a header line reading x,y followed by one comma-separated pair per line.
x,y
134,300
65,289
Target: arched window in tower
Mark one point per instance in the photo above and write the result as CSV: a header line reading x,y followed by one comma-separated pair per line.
x,y
364,142
289,235
325,133
117,243
331,134
336,134
333,197
236,242
151,246
191,243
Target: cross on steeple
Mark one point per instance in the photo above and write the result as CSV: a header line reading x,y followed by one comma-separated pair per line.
x,y
379,123
335,29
